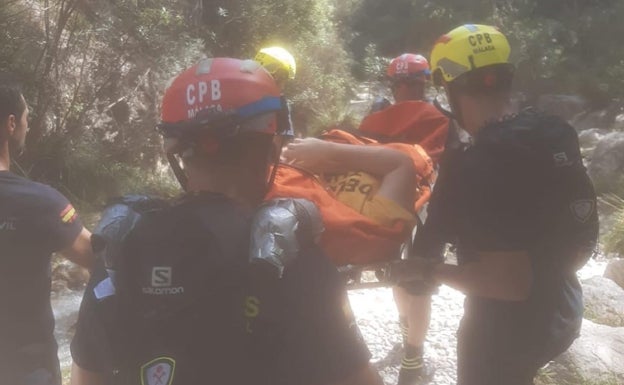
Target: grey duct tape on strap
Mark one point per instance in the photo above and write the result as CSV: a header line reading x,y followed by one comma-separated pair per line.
x,y
115,224
281,228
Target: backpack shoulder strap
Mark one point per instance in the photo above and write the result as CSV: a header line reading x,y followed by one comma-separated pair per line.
x,y
117,221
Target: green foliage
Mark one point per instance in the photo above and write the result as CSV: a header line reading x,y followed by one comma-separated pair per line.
x,y
609,185
95,176
558,46
614,239
308,29
571,376
409,25
374,66
94,71
93,74
612,319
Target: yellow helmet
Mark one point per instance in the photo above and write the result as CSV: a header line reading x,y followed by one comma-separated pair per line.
x,y
467,48
276,60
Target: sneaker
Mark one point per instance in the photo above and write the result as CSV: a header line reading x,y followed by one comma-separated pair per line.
x,y
416,373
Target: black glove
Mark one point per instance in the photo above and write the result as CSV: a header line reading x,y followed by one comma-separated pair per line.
x,y
412,269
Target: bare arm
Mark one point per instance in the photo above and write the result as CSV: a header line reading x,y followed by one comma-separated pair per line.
x,y
364,376
395,169
498,275
80,376
80,251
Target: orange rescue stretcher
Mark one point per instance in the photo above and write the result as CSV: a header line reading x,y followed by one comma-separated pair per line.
x,y
354,242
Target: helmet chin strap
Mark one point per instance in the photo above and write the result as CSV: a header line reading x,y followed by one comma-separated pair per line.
x,y
456,116
456,122
276,163
177,170
183,178
444,111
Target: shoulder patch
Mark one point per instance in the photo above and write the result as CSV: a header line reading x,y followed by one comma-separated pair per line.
x,y
68,214
158,371
582,209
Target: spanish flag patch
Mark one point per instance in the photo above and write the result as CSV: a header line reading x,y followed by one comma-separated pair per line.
x,y
68,215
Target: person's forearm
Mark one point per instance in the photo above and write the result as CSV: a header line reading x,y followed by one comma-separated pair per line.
x,y
506,279
395,169
375,160
80,251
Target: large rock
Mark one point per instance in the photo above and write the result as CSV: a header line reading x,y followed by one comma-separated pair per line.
x,y
596,357
604,301
588,140
607,164
591,137
610,117
619,122
67,275
615,271
566,106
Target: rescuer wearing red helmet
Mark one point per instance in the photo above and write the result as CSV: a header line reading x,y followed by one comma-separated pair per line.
x,y
408,74
219,287
412,120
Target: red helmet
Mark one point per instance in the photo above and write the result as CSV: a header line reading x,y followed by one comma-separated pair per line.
x,y
407,66
218,96
219,99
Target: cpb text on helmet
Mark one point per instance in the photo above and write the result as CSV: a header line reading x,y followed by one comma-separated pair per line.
x,y
401,66
482,42
477,39
197,93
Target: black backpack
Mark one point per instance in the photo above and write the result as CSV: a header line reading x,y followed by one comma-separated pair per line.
x,y
568,221
566,227
179,274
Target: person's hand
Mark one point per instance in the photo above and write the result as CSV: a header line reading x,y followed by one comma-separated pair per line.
x,y
311,154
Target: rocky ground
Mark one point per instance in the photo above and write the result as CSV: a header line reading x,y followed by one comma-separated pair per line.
x,y
374,308
593,356
377,318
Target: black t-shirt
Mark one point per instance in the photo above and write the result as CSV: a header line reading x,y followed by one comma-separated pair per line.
x,y
35,221
491,198
293,330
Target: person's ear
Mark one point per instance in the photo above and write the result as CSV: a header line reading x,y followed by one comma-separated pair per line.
x,y
11,124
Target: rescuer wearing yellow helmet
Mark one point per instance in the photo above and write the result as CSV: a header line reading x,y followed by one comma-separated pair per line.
x,y
518,204
473,60
279,62
282,66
